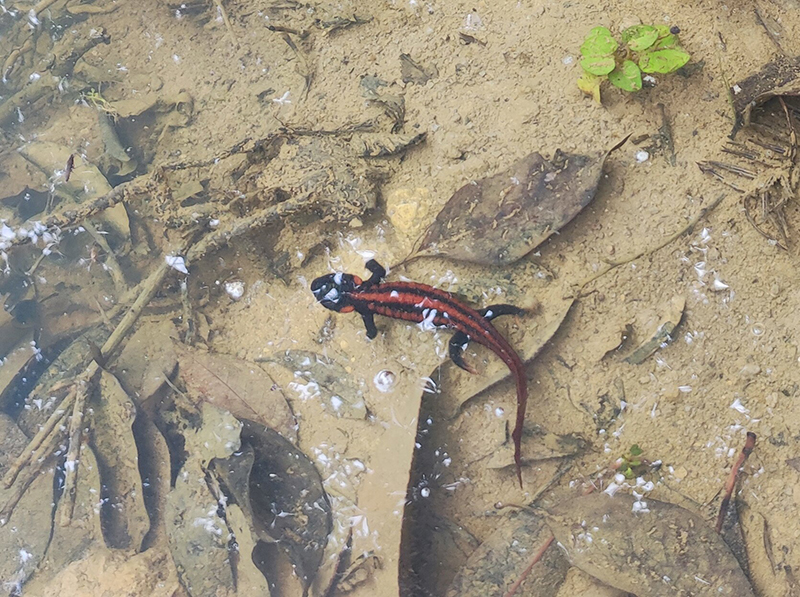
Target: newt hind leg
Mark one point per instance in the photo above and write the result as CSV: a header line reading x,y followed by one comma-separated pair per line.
x,y
460,340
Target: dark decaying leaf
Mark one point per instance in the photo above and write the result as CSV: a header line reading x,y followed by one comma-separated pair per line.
x,y
662,550
500,560
413,72
287,498
242,388
233,473
33,515
502,218
778,78
76,541
197,532
123,514
338,392
663,333
35,409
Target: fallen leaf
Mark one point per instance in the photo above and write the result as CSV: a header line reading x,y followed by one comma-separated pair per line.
x,y
659,551
147,359
22,552
123,512
502,558
287,497
326,379
780,77
500,219
244,389
663,332
84,533
198,535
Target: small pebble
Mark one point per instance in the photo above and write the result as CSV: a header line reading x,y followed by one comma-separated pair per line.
x,y
642,156
750,370
235,289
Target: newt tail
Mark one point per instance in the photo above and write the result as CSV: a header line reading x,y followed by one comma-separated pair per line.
x,y
429,306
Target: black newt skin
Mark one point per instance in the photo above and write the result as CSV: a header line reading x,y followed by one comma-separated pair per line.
x,y
411,301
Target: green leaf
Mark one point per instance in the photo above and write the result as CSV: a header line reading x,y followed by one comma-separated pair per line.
x,y
663,30
598,65
590,85
627,78
668,42
663,61
599,42
640,37
636,450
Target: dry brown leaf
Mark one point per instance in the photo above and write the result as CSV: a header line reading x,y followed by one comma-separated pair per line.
x,y
778,78
244,389
124,516
502,218
662,550
500,560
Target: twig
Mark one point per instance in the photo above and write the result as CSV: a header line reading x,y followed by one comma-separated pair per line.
x,y
38,459
749,216
78,215
146,291
536,557
39,439
666,133
111,264
730,485
770,33
235,149
67,502
221,237
227,22
792,131
706,168
610,265
41,86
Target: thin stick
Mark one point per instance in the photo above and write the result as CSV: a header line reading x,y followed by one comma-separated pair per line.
x,y
67,502
39,458
536,557
227,22
730,485
111,264
647,252
792,130
41,436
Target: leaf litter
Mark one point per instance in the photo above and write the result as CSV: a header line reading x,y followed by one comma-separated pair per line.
x,y
500,219
503,557
654,550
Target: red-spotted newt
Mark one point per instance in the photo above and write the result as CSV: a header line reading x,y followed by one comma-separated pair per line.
x,y
420,303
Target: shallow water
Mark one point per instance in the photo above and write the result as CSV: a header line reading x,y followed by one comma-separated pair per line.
x,y
176,174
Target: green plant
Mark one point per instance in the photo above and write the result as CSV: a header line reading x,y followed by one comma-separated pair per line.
x,y
632,464
646,49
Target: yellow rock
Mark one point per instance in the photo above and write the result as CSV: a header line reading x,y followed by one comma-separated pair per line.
x,y
408,209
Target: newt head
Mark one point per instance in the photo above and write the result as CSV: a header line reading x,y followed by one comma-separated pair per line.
x,y
332,289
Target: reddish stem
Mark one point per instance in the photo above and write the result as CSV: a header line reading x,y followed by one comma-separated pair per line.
x,y
730,485
536,557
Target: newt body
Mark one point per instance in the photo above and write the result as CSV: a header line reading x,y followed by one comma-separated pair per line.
x,y
420,303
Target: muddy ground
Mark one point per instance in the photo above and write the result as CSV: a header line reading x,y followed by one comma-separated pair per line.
x,y
501,84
